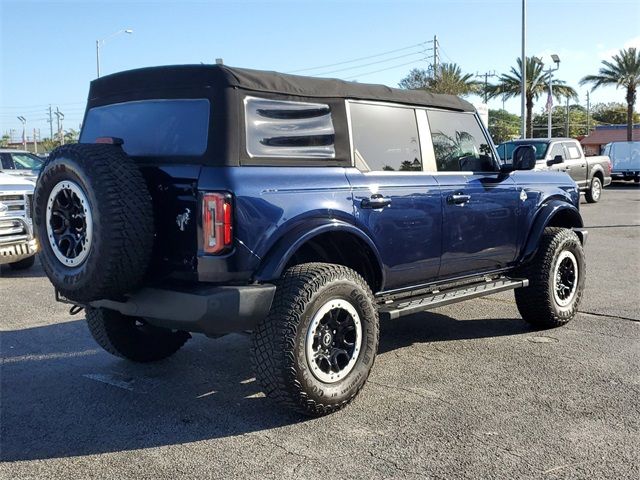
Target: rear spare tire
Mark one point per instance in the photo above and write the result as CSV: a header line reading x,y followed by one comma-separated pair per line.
x,y
94,221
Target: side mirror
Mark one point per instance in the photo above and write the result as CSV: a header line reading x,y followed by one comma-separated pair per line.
x,y
524,157
555,160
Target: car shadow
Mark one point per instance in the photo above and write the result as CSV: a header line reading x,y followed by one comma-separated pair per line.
x,y
62,396
36,271
426,327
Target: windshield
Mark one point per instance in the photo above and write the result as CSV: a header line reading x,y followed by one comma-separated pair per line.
x,y
505,150
152,127
25,161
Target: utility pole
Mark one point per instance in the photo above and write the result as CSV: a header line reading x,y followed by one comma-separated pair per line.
x,y
50,123
523,74
436,56
24,131
566,125
588,115
60,117
486,76
35,142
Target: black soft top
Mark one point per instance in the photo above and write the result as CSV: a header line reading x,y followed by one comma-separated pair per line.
x,y
197,77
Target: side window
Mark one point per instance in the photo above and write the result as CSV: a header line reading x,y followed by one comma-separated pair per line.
x,y
26,162
572,150
557,149
459,143
288,129
385,138
7,163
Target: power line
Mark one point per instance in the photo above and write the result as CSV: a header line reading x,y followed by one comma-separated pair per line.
x,y
368,64
359,59
382,70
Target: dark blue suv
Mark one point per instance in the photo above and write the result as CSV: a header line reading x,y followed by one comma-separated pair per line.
x,y
212,199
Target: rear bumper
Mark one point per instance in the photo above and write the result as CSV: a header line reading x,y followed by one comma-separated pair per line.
x,y
210,310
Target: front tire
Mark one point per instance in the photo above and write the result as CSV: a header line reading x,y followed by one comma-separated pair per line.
x,y
595,192
556,280
314,351
133,338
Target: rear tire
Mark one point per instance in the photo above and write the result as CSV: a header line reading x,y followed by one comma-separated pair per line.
x,y
595,191
314,351
24,263
554,293
131,337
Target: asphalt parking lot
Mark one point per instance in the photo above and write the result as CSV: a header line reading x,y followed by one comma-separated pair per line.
x,y
464,391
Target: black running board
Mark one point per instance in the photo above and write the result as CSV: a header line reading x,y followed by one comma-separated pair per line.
x,y
407,306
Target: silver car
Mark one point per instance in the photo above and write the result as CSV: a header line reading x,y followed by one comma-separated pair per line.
x,y
21,163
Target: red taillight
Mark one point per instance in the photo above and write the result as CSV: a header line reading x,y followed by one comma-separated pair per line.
x,y
217,222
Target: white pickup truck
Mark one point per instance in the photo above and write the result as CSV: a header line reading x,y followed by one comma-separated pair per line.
x,y
17,243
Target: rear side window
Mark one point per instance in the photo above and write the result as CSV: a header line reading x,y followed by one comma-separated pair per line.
x,y
572,150
385,138
288,129
459,143
152,127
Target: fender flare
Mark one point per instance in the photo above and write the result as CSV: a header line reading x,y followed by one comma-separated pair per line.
x,y
548,211
278,256
595,169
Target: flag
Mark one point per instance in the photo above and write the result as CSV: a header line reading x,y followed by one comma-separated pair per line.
x,y
549,104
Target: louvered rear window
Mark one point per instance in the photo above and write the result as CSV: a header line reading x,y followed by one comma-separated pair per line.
x,y
287,129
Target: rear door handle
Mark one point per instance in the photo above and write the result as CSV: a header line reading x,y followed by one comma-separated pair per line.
x,y
458,199
375,201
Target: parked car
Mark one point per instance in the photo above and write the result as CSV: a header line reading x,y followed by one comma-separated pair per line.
x,y
17,242
20,163
214,199
625,160
591,174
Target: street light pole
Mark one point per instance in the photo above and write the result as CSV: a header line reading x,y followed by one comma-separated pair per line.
x,y
523,73
550,71
100,43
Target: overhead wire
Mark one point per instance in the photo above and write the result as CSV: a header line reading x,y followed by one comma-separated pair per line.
x,y
345,62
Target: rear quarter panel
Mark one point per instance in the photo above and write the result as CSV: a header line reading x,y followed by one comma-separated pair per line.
x,y
272,204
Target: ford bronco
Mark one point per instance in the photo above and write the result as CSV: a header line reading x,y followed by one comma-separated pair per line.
x,y
212,199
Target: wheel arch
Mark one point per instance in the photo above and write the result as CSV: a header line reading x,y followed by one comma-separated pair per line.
x,y
333,242
553,213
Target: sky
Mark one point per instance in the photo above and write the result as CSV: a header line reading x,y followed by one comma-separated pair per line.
x,y
48,53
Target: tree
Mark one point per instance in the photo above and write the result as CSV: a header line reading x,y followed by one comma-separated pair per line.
x,y
508,86
4,141
612,113
448,79
622,71
577,122
503,126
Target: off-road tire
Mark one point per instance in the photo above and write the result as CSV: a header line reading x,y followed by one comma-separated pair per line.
x,y
536,303
123,227
23,264
278,350
131,337
589,194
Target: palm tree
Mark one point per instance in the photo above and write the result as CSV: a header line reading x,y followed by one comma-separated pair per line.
x,y
448,79
622,71
508,86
